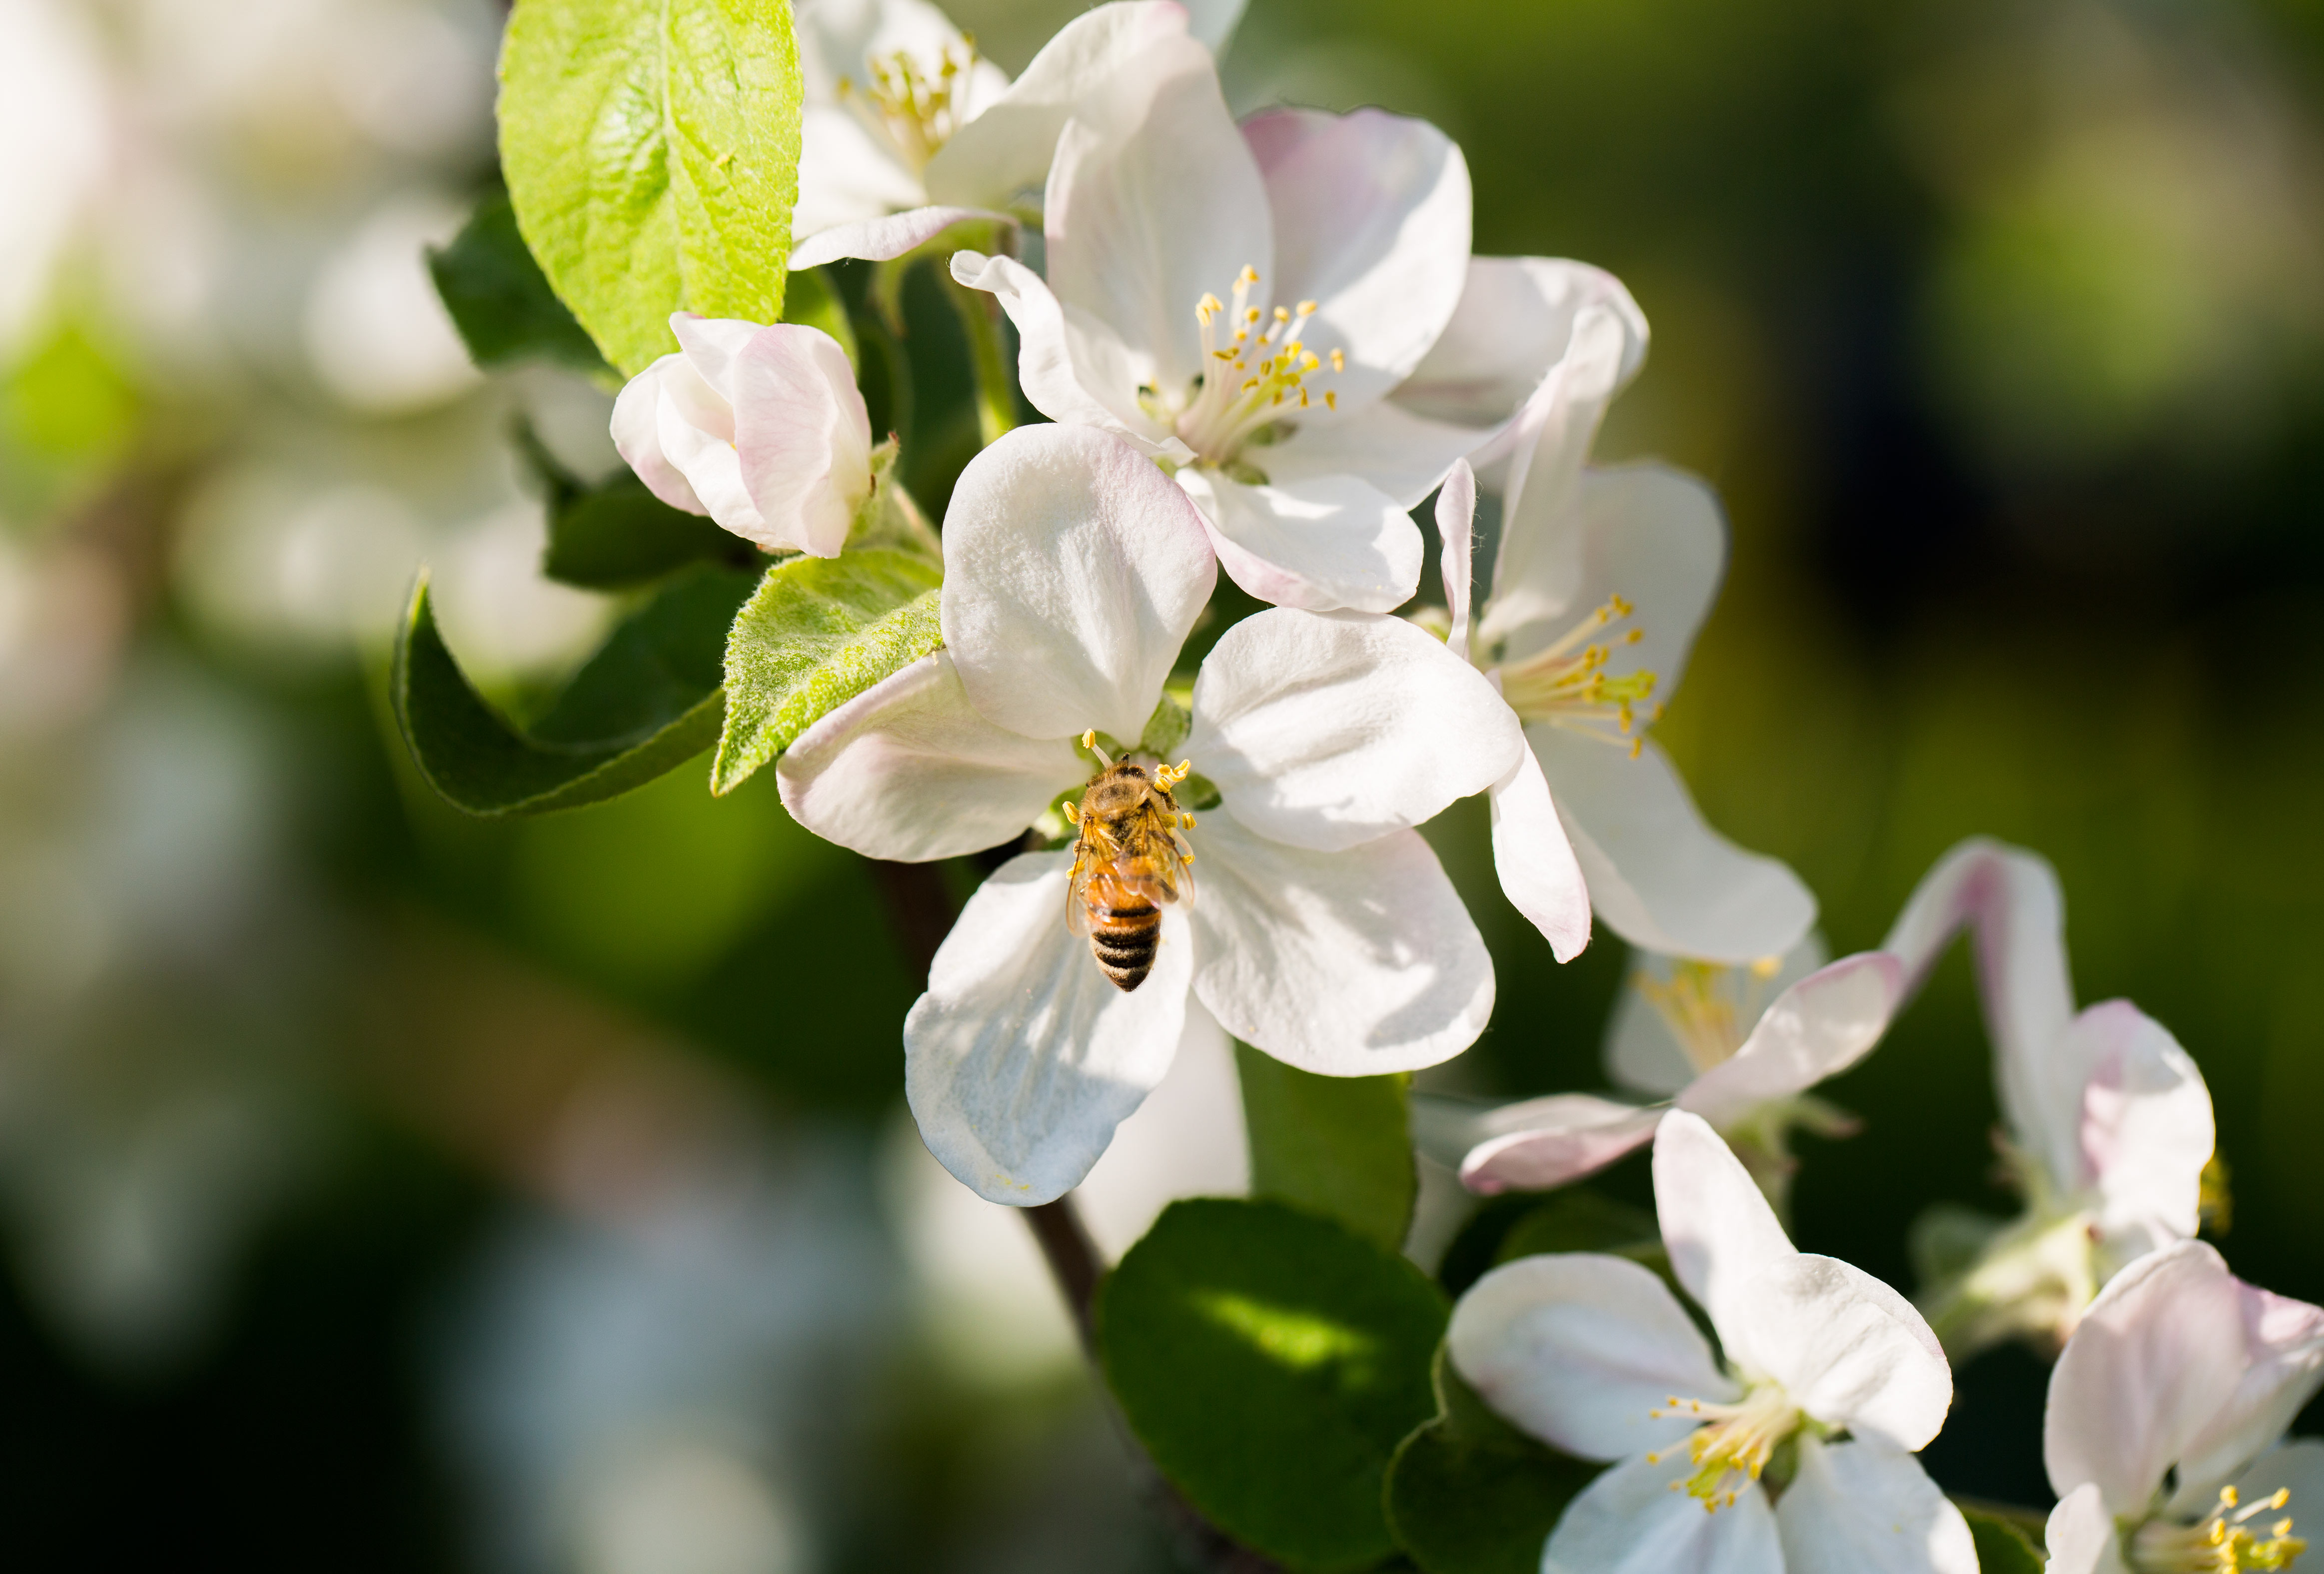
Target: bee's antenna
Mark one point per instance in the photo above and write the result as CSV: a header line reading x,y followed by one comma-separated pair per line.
x,y
1089,742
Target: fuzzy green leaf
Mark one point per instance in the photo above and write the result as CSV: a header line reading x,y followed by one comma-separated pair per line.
x,y
646,702
1270,1361
2002,1548
817,632
500,301
1341,1147
651,151
1470,1494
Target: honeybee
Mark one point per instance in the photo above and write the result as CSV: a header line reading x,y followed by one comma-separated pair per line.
x,y
1128,864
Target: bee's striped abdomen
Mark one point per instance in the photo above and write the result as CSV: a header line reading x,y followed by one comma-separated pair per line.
x,y
1123,935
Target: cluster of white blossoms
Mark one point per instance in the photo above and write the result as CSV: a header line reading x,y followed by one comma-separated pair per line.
x,y
1261,346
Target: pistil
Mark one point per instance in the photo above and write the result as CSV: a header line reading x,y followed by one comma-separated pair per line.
x,y
1255,372
1731,1447
1567,685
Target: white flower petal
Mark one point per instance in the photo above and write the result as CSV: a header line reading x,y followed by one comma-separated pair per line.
x,y
1534,859
1021,1059
1817,1028
1868,1507
2283,1354
877,240
1347,964
1101,54
2145,1131
2151,1362
1850,1350
1721,1234
2081,1535
1151,211
802,439
712,346
1188,1139
1327,730
694,427
1659,876
909,770
636,436
1581,1351
1514,323
1540,1144
1631,1519
1402,454
846,174
1072,570
1325,544
1071,367
1456,529
1371,223
1642,1052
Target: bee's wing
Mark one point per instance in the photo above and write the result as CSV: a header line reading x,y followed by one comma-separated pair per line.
x,y
1077,904
1172,881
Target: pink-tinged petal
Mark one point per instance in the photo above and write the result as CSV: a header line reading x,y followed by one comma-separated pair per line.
x,y
1533,857
1721,1234
1516,321
802,437
711,346
1021,1058
2081,1535
1371,223
1456,527
1847,1350
636,436
1634,1520
1325,730
909,770
2146,1129
2150,1365
1815,1029
2284,1356
1072,570
2009,900
1584,1352
1071,366
1540,1144
1659,876
1866,1506
694,427
1404,455
1324,545
877,240
1149,210
1641,1049
1107,53
1347,964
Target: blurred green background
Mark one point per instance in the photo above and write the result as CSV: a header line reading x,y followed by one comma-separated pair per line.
x,y
394,1191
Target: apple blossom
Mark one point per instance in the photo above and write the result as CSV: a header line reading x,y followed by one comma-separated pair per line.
x,y
2164,1427
1798,1434
1602,578
1694,1035
2106,1121
760,427
908,131
1286,314
1325,933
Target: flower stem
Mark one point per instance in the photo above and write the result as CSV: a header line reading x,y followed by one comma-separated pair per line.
x,y
988,356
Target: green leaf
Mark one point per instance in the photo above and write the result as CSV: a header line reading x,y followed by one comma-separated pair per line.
x,y
1270,1361
1341,1147
652,151
817,632
813,300
2002,1547
1573,1219
646,702
500,301
1470,1494
617,535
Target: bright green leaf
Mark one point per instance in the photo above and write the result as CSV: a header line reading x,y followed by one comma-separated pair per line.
x,y
1470,1494
2002,1547
817,632
651,151
1270,1361
646,702
500,301
1341,1147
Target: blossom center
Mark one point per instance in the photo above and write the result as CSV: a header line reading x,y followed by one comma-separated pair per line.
x,y
1705,1013
919,107
1567,685
1731,1447
2222,1541
1255,369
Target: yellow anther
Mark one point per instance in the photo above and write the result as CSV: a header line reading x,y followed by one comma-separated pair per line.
x,y
1306,309
1073,811
1338,361
1185,820
1089,739
1332,397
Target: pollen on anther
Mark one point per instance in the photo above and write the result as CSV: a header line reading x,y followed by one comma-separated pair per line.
x,y
1338,361
1332,397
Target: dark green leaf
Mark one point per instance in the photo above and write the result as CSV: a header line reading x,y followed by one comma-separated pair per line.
x,y
817,632
1470,1494
1270,1361
1341,1147
621,535
651,149
646,702
813,300
1522,1224
500,301
2002,1547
